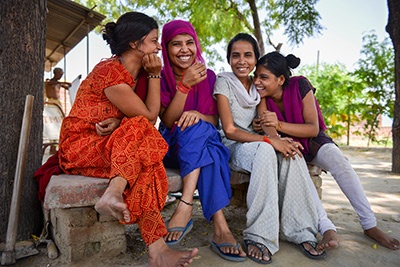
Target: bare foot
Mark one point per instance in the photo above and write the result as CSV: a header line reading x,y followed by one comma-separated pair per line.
x,y
160,255
329,241
382,238
180,218
112,203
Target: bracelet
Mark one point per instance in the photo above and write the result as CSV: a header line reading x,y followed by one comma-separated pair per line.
x,y
182,87
274,136
265,139
279,125
154,76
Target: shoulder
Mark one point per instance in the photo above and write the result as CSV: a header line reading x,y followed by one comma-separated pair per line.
x,y
222,86
304,85
112,72
211,73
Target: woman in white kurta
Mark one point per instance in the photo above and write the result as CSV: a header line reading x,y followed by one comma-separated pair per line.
x,y
279,199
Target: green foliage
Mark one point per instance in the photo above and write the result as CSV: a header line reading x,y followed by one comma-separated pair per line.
x,y
339,95
376,70
361,96
300,19
217,21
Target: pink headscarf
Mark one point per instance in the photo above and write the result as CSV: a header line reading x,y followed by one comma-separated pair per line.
x,y
197,99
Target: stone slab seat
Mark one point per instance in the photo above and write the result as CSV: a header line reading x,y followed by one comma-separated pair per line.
x,y
77,229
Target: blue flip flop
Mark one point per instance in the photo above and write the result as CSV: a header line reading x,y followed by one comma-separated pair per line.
x,y
227,256
184,231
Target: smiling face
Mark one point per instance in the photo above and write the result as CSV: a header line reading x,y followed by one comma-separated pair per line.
x,y
181,52
242,59
267,84
149,44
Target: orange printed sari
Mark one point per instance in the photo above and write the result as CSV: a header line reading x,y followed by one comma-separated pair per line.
x,y
134,151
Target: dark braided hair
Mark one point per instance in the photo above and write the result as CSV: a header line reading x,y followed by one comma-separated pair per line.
x,y
279,64
130,27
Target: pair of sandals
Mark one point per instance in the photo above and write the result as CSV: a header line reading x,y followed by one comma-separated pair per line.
x,y
264,249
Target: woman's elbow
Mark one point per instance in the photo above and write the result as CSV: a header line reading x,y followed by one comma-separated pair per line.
x,y
229,132
314,132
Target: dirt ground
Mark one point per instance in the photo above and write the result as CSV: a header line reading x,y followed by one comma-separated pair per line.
x,y
381,186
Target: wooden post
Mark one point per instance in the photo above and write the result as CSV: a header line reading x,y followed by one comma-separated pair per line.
x,y
8,255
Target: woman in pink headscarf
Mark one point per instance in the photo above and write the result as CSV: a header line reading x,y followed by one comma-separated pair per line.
x,y
188,117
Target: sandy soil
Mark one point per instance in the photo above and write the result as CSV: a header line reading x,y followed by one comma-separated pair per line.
x,y
381,186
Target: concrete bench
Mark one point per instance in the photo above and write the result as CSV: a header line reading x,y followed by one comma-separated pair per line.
x,y
80,232
77,229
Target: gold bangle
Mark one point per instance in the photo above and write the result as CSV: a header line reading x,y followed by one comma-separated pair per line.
x,y
154,76
279,125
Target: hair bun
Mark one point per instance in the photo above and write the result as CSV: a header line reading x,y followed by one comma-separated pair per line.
x,y
108,32
292,61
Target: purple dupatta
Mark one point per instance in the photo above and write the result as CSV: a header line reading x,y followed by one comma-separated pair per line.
x,y
293,107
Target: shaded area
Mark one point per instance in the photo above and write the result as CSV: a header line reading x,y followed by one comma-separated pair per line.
x,y
67,24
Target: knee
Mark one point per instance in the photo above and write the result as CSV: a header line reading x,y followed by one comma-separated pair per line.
x,y
266,150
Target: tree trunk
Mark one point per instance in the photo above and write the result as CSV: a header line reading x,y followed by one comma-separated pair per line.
x,y
22,53
393,28
257,26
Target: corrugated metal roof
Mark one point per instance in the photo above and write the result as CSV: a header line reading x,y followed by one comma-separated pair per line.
x,y
67,24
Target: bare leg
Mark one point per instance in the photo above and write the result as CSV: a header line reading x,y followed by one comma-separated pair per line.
x,y
112,202
329,241
183,212
222,234
382,238
160,255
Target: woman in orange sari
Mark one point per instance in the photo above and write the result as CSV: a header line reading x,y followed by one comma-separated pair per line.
x,y
125,86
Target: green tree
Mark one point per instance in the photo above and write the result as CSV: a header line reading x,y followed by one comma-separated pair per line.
x,y
217,21
376,71
339,95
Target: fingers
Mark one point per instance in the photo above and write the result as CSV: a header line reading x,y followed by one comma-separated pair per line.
x,y
107,126
257,125
195,74
152,63
188,119
269,119
292,149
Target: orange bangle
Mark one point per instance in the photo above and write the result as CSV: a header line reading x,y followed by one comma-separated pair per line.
x,y
266,139
182,88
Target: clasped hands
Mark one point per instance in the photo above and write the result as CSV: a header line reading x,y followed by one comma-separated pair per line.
x,y
285,145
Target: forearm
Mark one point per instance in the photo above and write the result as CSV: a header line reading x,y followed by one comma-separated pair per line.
x,y
173,112
243,136
153,100
299,130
